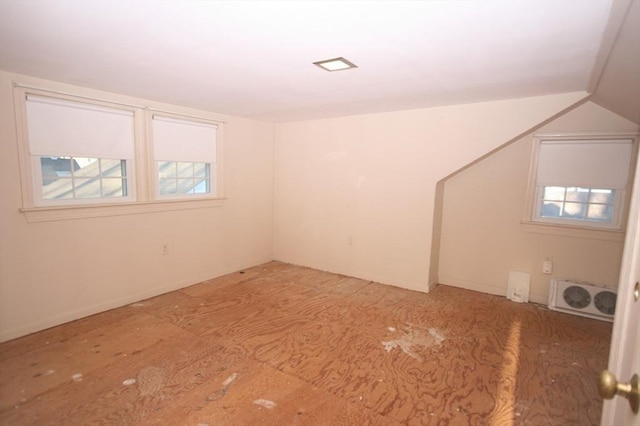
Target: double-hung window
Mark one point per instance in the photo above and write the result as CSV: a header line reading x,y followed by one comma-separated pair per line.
x,y
185,156
85,157
580,181
79,152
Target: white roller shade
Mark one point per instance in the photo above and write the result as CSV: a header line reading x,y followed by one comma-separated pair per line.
x,y
182,140
584,163
66,128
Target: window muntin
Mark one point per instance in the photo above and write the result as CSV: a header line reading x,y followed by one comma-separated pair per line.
x,y
581,181
183,178
82,178
578,204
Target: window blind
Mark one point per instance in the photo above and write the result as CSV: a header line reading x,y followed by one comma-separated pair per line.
x,y
584,163
182,140
66,128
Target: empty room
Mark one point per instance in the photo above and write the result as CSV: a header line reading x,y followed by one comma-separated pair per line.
x,y
319,212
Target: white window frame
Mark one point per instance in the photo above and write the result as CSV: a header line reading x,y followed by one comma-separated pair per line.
x,y
31,171
533,202
141,195
215,175
36,198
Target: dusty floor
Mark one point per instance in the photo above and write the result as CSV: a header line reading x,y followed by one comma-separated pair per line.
x,y
284,345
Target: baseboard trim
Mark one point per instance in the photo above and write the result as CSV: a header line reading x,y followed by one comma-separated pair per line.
x,y
43,324
488,288
422,287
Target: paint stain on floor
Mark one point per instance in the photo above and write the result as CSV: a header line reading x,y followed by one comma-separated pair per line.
x,y
414,337
265,403
150,380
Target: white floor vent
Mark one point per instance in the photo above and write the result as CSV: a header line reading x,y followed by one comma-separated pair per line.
x,y
582,299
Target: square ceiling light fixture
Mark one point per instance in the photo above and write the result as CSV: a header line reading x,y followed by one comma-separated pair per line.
x,y
335,64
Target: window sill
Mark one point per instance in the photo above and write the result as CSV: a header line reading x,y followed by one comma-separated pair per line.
x,y
573,231
49,214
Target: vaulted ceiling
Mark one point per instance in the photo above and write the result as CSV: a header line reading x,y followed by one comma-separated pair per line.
x,y
254,58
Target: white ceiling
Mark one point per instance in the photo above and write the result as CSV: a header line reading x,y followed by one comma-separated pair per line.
x,y
254,58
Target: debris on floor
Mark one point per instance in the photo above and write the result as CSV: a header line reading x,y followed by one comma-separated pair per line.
x,y
413,338
265,403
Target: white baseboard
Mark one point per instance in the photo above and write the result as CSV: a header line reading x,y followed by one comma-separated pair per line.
x,y
422,287
488,288
44,323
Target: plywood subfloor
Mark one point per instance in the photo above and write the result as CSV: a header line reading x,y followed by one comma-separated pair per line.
x,y
284,345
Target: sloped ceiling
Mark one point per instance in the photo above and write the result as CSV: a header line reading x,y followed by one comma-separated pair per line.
x,y
254,58
618,88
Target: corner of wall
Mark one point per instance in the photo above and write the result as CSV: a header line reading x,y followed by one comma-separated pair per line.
x,y
436,235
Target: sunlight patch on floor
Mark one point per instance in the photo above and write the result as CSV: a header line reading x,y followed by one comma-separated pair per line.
x,y
504,412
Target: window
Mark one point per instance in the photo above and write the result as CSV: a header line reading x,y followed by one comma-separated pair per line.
x,y
581,181
185,154
80,152
84,157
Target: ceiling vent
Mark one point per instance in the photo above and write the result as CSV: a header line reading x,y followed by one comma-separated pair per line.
x,y
336,64
582,299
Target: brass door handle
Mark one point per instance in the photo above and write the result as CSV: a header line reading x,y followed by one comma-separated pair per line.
x,y
610,387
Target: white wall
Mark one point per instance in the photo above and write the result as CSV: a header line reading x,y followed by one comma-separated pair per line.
x,y
53,272
482,237
356,195
353,195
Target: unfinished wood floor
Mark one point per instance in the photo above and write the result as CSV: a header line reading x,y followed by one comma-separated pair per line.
x,y
285,345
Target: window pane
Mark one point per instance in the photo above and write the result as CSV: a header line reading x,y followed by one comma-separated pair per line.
x,y
574,210
113,168
580,195
604,196
186,186
201,186
86,167
168,186
201,169
185,169
600,212
167,169
551,209
114,187
87,188
183,186
54,167
59,189
554,193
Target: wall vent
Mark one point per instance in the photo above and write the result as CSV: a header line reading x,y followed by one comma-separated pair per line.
x,y
582,299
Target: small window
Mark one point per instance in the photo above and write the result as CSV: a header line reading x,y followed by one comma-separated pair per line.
x,y
581,181
80,152
185,154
